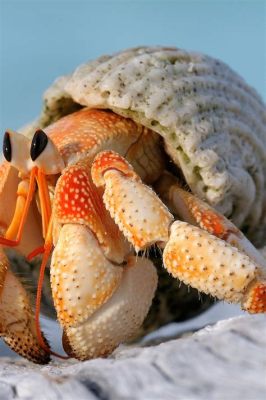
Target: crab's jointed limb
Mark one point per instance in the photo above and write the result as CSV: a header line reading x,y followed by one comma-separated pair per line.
x,y
197,257
194,211
101,293
17,326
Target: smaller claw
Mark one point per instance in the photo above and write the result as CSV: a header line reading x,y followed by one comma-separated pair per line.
x,y
17,326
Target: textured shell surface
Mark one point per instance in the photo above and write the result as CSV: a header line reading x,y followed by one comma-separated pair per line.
x,y
212,122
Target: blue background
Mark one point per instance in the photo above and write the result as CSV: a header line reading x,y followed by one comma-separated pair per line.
x,y
41,40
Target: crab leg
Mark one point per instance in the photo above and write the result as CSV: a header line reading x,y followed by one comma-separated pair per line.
x,y
195,256
191,209
90,284
16,318
198,213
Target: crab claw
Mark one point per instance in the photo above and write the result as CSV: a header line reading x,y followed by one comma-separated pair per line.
x,y
17,326
99,305
100,302
82,278
120,318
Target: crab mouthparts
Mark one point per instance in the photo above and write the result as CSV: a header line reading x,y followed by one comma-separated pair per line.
x,y
15,229
14,232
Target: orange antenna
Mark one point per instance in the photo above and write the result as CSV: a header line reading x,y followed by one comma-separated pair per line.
x,y
47,250
46,211
44,200
35,252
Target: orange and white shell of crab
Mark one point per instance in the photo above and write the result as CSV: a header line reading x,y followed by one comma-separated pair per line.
x,y
97,183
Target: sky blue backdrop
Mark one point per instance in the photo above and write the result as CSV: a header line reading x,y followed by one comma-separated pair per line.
x,y
41,40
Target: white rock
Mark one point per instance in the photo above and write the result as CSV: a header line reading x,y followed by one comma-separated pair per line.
x,y
225,361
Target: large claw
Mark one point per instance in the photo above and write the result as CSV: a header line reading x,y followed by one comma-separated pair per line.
x,y
226,265
120,318
17,326
100,302
82,278
99,305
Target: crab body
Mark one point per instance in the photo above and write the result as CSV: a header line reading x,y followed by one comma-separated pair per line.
x,y
107,190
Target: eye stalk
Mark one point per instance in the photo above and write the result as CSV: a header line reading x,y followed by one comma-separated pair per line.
x,y
7,149
38,144
45,154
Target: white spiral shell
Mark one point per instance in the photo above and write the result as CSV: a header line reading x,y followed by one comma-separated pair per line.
x,y
212,122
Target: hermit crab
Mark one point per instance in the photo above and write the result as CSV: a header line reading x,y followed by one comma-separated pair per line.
x,y
148,148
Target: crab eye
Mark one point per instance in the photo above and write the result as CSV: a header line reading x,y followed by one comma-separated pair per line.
x,y
38,144
7,149
45,154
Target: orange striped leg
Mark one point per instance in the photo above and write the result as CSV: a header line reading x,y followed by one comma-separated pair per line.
x,y
235,272
191,209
